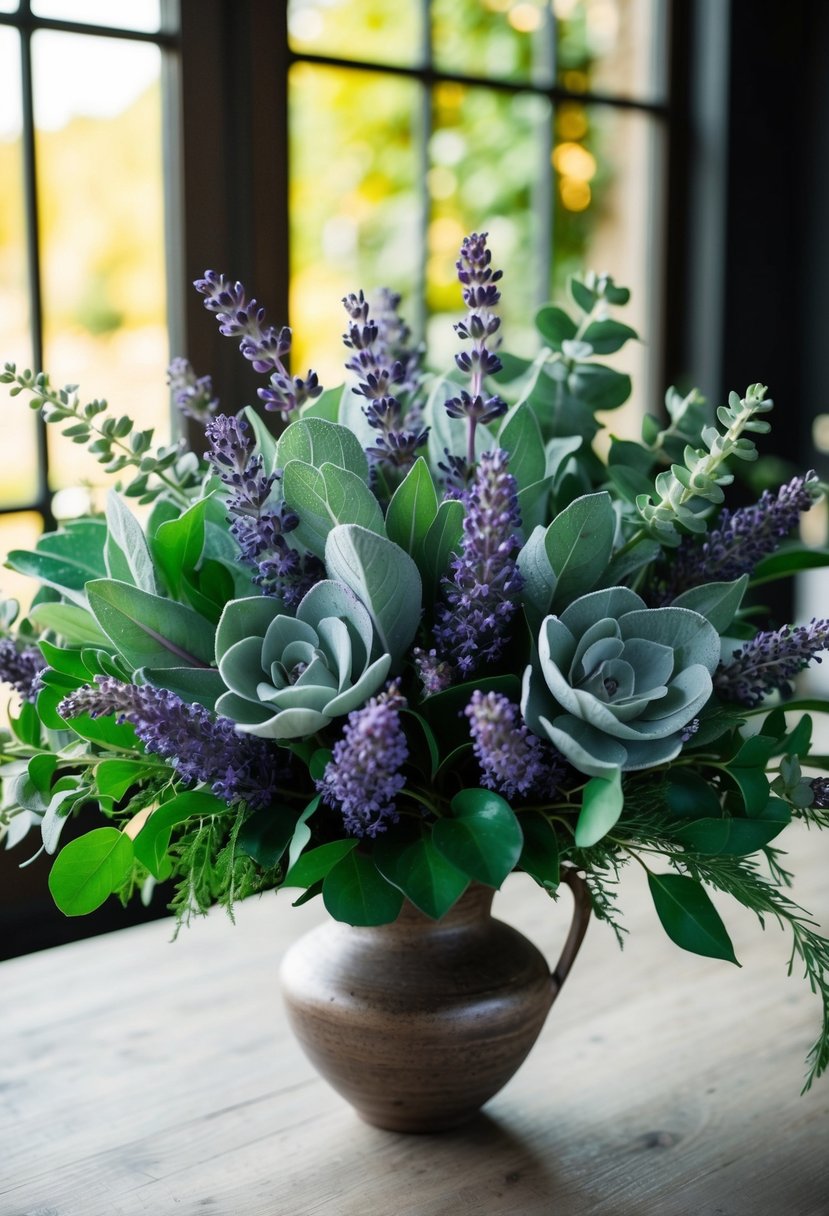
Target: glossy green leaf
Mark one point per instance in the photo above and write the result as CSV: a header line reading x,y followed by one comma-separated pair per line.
x,y
688,916
150,631
788,560
153,840
68,660
578,544
540,855
733,837
114,777
482,838
265,441
555,326
442,541
412,511
421,872
89,869
608,336
302,833
601,806
178,545
582,294
690,796
719,603
266,834
310,867
74,624
355,892
520,436
444,710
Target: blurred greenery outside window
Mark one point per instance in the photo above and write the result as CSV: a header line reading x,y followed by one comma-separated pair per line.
x,y
411,123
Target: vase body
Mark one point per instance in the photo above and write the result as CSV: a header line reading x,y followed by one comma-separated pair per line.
x,y
420,1022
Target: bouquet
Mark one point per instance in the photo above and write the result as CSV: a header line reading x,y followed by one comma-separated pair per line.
x,y
424,636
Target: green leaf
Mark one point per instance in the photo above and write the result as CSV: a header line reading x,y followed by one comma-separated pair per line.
x,y
67,564
302,833
598,387
114,777
581,293
178,545
555,326
533,503
150,631
520,436
89,869
310,867
601,806
444,710
483,838
199,685
412,512
690,796
266,834
126,552
265,441
422,873
733,837
69,662
354,891
608,336
788,560
429,737
153,840
317,442
688,916
539,581
74,624
719,603
442,540
327,405
578,544
325,497
384,577
540,854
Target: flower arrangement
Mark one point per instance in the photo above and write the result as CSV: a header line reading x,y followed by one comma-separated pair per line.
x,y
424,637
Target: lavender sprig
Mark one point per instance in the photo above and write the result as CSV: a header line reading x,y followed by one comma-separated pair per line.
x,y
264,345
21,668
481,296
192,394
513,761
770,661
472,625
381,376
202,748
742,537
258,526
363,778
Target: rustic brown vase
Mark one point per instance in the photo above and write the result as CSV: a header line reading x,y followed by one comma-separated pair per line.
x,y
420,1022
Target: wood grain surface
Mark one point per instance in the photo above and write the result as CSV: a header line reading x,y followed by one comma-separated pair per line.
x,y
139,1076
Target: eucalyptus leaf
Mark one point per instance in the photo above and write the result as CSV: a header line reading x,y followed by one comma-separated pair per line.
x,y
601,806
482,838
89,869
354,891
688,916
422,873
578,543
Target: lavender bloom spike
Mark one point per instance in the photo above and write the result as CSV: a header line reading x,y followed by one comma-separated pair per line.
x,y
394,340
381,376
265,346
434,672
513,761
471,627
742,537
481,296
21,668
201,748
363,777
770,661
258,528
192,394
820,792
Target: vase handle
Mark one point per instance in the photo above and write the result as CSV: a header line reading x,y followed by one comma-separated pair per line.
x,y
581,917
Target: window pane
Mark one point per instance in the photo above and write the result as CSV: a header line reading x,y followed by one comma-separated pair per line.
x,y
503,39
374,31
102,229
17,531
8,6
355,209
18,468
611,46
488,160
607,219
126,14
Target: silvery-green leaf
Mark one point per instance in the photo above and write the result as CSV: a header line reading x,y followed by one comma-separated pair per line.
x,y
242,709
241,666
265,441
281,631
587,749
578,543
287,724
556,643
126,551
611,602
383,577
326,496
412,511
352,416
318,442
442,540
328,598
245,618
538,578
520,437
369,683
689,635
195,684
719,603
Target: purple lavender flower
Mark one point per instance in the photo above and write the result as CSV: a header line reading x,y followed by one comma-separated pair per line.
x,y
481,296
434,672
381,377
363,777
742,538
513,761
820,793
394,341
21,667
471,626
192,394
770,661
259,528
201,748
265,346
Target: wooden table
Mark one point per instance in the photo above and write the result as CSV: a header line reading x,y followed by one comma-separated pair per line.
x,y
138,1076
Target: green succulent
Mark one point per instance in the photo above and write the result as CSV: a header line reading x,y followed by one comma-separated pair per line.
x,y
290,676
615,683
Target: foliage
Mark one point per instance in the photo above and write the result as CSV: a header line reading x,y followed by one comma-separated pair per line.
x,y
303,666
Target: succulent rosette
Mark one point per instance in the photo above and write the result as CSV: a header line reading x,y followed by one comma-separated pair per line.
x,y
289,676
616,684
